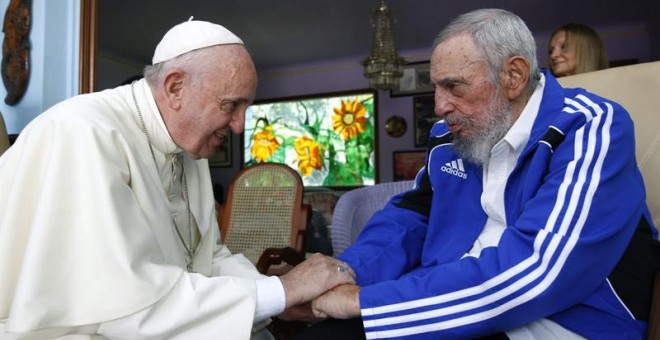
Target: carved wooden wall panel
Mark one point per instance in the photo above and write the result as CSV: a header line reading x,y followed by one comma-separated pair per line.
x,y
16,50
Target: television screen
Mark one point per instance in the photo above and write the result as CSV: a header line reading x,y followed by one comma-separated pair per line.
x,y
329,139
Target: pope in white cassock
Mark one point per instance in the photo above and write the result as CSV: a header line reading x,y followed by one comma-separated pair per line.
x,y
107,220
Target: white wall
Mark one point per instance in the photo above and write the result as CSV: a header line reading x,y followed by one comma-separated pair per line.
x,y
53,60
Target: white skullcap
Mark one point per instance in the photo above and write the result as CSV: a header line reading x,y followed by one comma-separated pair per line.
x,y
192,35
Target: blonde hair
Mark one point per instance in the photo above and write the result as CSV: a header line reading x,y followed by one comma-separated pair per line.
x,y
589,49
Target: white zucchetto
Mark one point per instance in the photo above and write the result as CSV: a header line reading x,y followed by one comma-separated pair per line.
x,y
192,35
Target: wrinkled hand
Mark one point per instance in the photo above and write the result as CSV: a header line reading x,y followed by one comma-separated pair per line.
x,y
341,302
313,277
300,313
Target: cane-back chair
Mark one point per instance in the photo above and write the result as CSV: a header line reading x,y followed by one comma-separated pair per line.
x,y
263,216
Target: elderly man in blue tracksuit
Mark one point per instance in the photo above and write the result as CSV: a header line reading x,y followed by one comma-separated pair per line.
x,y
523,223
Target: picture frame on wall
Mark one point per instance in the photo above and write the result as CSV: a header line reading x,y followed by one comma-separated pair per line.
x,y
424,117
416,80
407,164
311,135
222,157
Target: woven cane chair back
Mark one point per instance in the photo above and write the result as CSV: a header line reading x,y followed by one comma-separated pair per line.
x,y
262,210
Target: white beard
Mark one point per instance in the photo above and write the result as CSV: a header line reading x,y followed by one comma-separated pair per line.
x,y
476,148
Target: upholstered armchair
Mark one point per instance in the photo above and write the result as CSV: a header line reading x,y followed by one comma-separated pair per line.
x,y
637,88
355,207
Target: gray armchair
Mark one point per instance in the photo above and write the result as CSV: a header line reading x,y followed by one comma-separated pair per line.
x,y
354,208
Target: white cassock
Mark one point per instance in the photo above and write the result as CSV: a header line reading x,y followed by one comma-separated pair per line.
x,y
87,240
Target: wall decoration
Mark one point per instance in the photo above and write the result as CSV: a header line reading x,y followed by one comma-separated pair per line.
x,y
222,157
396,126
330,139
424,116
416,80
16,50
407,164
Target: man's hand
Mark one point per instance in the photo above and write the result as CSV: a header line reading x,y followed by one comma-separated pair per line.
x,y
341,302
300,313
313,277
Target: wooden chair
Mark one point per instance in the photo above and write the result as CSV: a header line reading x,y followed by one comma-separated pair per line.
x,y
264,218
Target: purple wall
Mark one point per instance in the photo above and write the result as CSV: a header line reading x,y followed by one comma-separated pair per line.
x,y
622,42
341,76
334,76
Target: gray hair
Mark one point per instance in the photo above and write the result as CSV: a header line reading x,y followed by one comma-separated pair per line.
x,y
189,62
499,35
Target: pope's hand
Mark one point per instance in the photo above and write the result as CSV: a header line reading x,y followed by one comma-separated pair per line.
x,y
313,277
341,302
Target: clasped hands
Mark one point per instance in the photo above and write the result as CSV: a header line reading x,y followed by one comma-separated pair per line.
x,y
320,287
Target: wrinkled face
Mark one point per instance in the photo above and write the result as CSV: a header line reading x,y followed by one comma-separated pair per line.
x,y
561,55
214,102
474,109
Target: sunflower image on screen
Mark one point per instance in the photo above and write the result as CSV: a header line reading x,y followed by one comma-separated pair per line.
x,y
329,140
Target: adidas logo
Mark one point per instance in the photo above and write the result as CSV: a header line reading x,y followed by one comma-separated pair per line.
x,y
455,168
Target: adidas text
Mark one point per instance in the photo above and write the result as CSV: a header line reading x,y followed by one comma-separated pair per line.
x,y
455,168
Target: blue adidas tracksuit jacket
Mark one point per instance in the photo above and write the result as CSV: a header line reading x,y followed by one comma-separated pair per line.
x,y
574,203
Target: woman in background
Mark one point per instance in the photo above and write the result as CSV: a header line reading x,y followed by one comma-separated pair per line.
x,y
575,48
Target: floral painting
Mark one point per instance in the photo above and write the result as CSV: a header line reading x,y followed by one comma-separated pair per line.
x,y
329,140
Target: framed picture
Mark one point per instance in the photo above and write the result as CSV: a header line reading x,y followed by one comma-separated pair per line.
x,y
424,117
329,138
222,157
407,164
415,80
